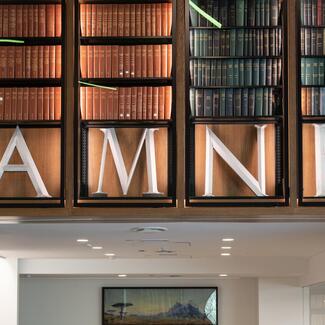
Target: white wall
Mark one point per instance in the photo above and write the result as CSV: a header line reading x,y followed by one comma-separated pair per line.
x,y
8,291
280,302
54,301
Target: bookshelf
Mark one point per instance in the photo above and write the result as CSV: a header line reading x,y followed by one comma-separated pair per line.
x,y
32,101
311,112
236,104
125,103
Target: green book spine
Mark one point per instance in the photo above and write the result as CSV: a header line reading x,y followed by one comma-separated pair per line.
x,y
216,102
199,73
210,43
222,42
244,108
259,102
315,72
248,72
222,102
240,8
192,72
224,72
256,72
322,101
237,102
240,42
258,13
227,40
196,42
216,43
251,12
241,73
195,72
192,101
207,102
213,78
229,102
275,12
267,13
204,72
236,72
265,101
233,42
271,112
262,13
230,72
269,71
321,72
232,12
199,102
246,42
219,73
263,72
251,102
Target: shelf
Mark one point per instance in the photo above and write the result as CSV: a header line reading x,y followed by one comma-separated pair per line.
x,y
125,123
41,2
236,120
126,40
313,119
31,124
313,56
238,27
124,1
234,87
237,57
312,26
9,83
129,82
315,86
32,41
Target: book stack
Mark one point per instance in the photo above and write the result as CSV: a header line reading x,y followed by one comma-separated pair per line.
x,y
30,61
312,12
98,20
312,41
37,20
234,102
238,12
139,61
312,71
132,103
313,101
236,42
30,104
235,72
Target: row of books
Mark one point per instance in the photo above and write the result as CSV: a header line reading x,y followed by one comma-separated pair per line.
x,y
238,12
312,71
28,104
39,20
312,41
126,19
235,72
240,42
133,103
234,102
30,61
312,12
126,61
313,101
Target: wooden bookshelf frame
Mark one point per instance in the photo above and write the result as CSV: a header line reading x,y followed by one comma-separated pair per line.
x,y
81,197
34,202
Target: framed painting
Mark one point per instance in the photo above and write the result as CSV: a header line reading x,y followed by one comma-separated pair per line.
x,y
160,306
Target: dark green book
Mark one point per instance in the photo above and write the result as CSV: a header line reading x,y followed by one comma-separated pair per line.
x,y
262,12
230,72
240,8
224,72
269,66
265,111
223,42
263,72
195,72
240,42
199,73
244,108
222,102
303,71
251,12
249,72
275,12
259,102
241,72
219,64
213,77
315,71
216,103
208,102
267,13
233,42
237,102
210,43
321,72
258,13
199,109
197,42
227,40
192,101
216,43
256,72
251,102
236,72
229,102
232,11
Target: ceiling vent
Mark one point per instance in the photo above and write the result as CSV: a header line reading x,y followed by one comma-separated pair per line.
x,y
149,230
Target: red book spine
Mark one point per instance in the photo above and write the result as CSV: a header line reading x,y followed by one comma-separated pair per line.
x,y
158,19
319,12
14,98
96,104
1,15
116,95
58,20
11,61
93,19
144,102
42,20
132,61
89,104
161,110
121,104
128,101
40,105
20,105
32,112
19,23
52,62
25,103
103,103
96,61
153,19
88,19
40,72
25,21
83,102
169,60
46,65
83,19
108,50
127,20
109,107
164,19
155,103
114,19
35,21
12,20
169,18
7,113
28,61
144,62
138,16
57,104
19,62
148,19
102,62
83,61
46,103
134,103
126,62
105,20
99,20
31,21
52,103
132,20
120,20
115,61
143,20
5,20
139,103
90,56
149,103
120,61
138,59
109,19
3,62
2,103
168,102
157,60
150,61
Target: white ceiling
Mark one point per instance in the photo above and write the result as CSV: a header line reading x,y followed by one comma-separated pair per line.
x,y
188,240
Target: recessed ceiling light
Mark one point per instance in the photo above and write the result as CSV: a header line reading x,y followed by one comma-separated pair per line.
x,y
110,254
97,247
226,247
225,254
122,275
149,229
223,275
82,240
228,239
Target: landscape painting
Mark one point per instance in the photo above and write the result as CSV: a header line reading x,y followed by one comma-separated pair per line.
x,y
160,306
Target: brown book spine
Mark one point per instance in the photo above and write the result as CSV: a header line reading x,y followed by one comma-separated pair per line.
x,y
52,103
120,61
7,113
116,95
42,20
126,62
155,103
138,20
150,61
1,15
149,103
58,20
157,60
144,103
158,19
132,20
102,62
52,62
138,60
96,104
25,21
19,62
168,102
148,19
83,102
2,103
114,19
14,98
20,103
161,111
105,20
132,61
109,19
133,103
19,23
128,102
120,20
25,103
309,101
108,50
143,20
28,61
139,103
12,21
46,103
121,104
144,61
89,104
99,20
90,57
115,61
46,63
40,72
83,19
11,61
3,62
103,103
57,104
169,60
30,21
109,107
93,19
35,21
5,20
83,61
153,19
32,112
96,61
169,18
40,105
127,18
88,20
164,19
